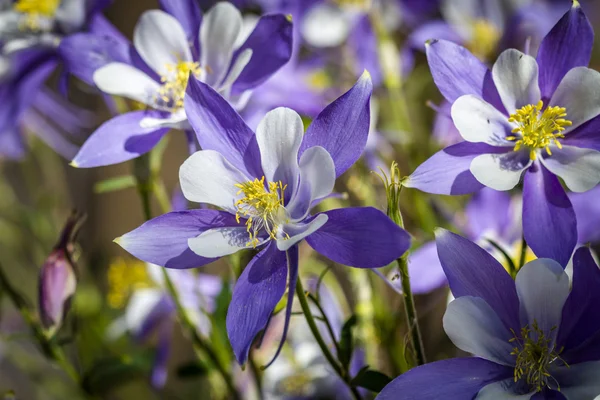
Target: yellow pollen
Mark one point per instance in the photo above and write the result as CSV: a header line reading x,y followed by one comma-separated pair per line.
x,y
38,7
124,277
537,129
484,39
261,207
175,82
357,4
535,353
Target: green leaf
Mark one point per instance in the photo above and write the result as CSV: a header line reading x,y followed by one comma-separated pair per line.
x,y
192,369
347,342
110,372
370,379
115,184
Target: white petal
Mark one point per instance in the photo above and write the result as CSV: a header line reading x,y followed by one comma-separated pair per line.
x,y
473,326
120,79
71,15
176,120
219,242
279,136
249,22
160,40
579,93
543,288
579,381
325,25
236,69
479,121
317,178
207,177
297,232
579,168
220,29
502,390
516,77
500,171
140,305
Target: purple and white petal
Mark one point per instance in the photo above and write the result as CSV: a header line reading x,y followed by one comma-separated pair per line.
x,y
119,139
255,295
504,389
361,237
175,120
279,136
568,45
424,268
237,67
295,232
161,41
500,171
474,327
343,126
516,77
220,29
219,242
472,271
455,378
585,136
480,122
579,93
164,240
549,223
579,381
207,177
543,288
121,79
448,170
188,13
579,168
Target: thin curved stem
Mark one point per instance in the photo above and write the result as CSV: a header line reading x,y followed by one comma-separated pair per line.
x,y
344,375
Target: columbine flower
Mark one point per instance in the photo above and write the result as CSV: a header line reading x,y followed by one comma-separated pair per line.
x,y
523,119
58,278
175,48
533,337
265,184
150,309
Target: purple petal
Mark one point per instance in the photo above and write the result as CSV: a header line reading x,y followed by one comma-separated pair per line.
x,y
587,210
343,126
271,45
430,31
363,41
218,127
100,25
159,375
579,317
566,46
12,143
448,170
549,222
119,139
456,72
456,378
489,211
84,53
472,271
164,240
425,270
255,295
361,237
187,13
587,135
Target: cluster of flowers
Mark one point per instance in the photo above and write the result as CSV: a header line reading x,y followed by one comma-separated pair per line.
x,y
532,330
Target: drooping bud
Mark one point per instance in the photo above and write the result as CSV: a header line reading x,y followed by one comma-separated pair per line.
x,y
58,278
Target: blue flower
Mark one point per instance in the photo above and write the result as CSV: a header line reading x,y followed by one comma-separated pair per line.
x,y
526,117
265,185
533,336
168,48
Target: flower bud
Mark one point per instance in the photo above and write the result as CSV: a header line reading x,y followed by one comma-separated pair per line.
x,y
58,278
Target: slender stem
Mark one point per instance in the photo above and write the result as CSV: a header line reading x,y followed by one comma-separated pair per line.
x,y
344,375
256,374
523,254
411,311
326,321
48,346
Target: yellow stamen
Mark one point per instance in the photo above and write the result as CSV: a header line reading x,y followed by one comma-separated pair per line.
x,y
537,129
175,82
484,39
263,208
46,8
535,352
124,277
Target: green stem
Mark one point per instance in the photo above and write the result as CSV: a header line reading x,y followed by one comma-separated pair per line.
x,y
344,375
326,321
523,254
48,346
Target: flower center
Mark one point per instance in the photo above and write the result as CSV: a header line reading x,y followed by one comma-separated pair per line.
x,y
172,91
537,129
37,13
484,40
124,277
263,208
535,352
